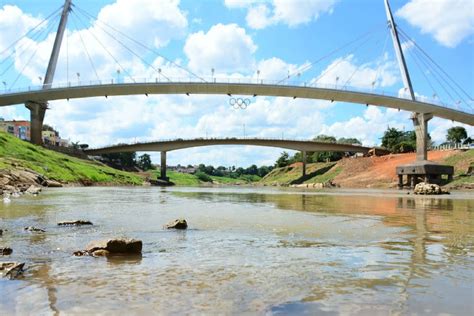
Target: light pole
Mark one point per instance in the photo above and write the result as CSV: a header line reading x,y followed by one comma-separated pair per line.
x,y
212,73
118,75
40,79
258,75
337,79
159,74
5,85
78,78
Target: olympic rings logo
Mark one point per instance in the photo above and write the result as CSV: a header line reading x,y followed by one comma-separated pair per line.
x,y
241,103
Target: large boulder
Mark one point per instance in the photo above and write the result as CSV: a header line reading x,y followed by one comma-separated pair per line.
x,y
52,184
6,251
12,269
112,247
424,188
177,224
33,189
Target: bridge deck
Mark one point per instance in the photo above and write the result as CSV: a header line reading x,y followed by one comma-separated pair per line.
x,y
309,146
219,88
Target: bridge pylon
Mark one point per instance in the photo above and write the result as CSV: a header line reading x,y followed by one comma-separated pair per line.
x,y
38,109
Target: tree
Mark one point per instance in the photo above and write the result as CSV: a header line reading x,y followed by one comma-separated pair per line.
x,y
325,139
456,134
399,141
349,141
126,159
283,161
144,162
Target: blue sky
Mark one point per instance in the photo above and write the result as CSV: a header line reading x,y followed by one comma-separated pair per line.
x,y
238,39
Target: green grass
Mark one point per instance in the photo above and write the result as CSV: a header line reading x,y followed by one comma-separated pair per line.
x,y
244,179
326,176
291,174
57,166
461,162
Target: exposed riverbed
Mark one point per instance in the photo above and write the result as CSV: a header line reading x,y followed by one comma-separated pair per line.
x,y
246,250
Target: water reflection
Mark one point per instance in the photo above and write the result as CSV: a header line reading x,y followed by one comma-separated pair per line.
x,y
247,251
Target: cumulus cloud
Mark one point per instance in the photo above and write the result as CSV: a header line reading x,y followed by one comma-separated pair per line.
x,y
14,23
225,47
261,14
448,21
346,71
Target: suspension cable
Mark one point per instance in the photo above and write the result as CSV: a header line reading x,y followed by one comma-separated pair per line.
x,y
436,73
361,65
31,58
437,65
340,60
85,49
105,48
308,66
132,52
30,31
140,44
21,49
381,56
34,39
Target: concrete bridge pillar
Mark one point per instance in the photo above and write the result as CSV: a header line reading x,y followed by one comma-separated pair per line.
x,y
304,162
37,112
163,167
420,121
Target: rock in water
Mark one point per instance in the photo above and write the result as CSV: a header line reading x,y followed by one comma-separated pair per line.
x,y
177,224
6,251
112,247
34,190
74,223
14,269
34,229
424,188
1,232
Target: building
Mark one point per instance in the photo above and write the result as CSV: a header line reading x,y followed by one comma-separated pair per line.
x,y
20,129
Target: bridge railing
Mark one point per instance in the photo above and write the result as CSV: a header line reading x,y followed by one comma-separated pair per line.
x,y
235,80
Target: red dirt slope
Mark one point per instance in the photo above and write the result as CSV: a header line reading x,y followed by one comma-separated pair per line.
x,y
363,172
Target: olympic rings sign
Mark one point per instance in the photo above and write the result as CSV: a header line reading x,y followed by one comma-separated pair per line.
x,y
241,103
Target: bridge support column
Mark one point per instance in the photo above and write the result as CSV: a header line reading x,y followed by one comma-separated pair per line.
x,y
420,121
37,113
163,167
303,154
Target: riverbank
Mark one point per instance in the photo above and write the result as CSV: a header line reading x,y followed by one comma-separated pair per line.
x,y
370,172
22,163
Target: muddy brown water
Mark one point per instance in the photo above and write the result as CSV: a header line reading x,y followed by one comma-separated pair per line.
x,y
247,250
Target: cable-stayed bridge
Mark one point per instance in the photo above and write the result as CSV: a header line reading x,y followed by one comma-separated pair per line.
x,y
161,82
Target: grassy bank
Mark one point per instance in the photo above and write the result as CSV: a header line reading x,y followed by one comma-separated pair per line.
x,y
16,153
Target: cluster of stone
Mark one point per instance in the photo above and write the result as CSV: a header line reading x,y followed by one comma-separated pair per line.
x,y
20,181
424,188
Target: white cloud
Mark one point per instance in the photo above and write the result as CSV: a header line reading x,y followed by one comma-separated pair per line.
x,y
14,23
146,20
448,21
439,127
293,13
345,71
225,47
369,127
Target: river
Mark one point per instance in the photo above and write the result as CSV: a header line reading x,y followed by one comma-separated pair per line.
x,y
247,250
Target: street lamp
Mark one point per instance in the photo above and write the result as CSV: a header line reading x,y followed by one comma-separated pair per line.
x,y
159,74
5,85
337,79
78,78
212,72
40,79
118,75
258,75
